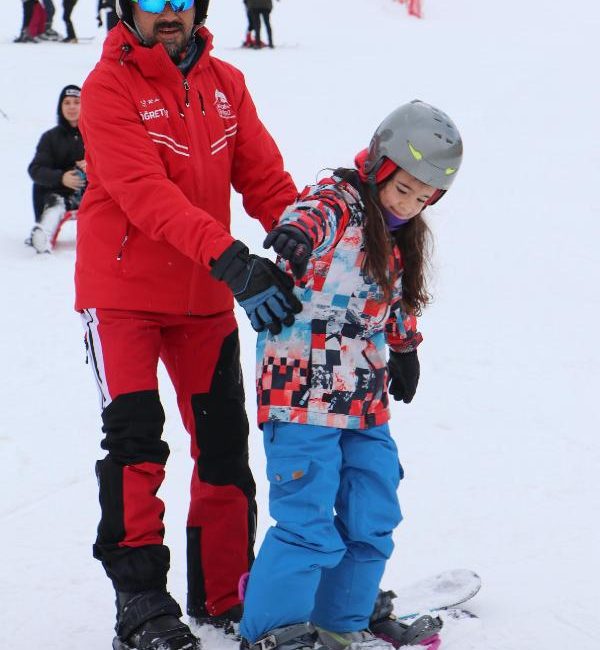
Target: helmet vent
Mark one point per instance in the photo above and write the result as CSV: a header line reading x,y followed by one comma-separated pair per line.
x,y
438,135
449,141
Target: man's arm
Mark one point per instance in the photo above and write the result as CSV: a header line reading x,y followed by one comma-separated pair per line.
x,y
258,172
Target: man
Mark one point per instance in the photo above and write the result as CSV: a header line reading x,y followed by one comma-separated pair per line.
x,y
58,171
168,130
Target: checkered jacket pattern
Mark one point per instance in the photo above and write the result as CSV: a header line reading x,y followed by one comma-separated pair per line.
x,y
329,368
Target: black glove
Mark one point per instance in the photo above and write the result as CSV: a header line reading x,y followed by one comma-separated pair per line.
x,y
293,245
260,287
403,371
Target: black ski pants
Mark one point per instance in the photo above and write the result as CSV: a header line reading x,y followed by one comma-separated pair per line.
x,y
28,7
68,6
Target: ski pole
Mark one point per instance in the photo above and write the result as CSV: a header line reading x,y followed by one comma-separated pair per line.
x,y
4,115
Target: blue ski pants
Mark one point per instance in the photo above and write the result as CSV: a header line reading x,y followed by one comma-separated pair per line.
x,y
333,496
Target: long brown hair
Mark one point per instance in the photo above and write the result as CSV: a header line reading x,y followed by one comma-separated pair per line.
x,y
414,240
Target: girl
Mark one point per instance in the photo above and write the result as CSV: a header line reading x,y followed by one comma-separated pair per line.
x,y
357,243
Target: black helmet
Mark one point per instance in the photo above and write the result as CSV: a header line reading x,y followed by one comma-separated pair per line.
x,y
125,13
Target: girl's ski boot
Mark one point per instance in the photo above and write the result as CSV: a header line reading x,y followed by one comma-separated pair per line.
x,y
300,636
361,640
422,631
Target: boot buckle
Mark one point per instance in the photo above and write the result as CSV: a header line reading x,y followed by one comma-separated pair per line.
x,y
267,642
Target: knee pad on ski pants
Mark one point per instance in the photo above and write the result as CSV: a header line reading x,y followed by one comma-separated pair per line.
x,y
133,425
221,423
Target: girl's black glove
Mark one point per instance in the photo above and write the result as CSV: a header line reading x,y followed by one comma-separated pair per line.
x,y
403,371
292,245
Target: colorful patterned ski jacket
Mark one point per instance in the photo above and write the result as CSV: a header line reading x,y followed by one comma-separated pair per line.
x,y
163,152
329,368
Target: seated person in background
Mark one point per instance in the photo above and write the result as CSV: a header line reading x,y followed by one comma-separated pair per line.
x,y
57,171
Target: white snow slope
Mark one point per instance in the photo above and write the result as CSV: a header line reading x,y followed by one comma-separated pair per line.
x,y
501,445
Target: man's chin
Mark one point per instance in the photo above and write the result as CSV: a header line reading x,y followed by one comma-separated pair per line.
x,y
174,49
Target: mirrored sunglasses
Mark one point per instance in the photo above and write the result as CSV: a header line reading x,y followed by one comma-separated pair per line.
x,y
158,6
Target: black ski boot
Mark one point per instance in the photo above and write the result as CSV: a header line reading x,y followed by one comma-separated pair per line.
x,y
386,626
301,636
228,622
149,620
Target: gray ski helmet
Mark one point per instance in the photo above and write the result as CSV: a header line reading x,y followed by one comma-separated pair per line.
x,y
420,139
125,13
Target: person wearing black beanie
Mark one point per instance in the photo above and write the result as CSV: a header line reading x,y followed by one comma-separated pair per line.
x,y
57,171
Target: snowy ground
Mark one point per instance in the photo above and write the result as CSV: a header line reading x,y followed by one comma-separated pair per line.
x,y
500,446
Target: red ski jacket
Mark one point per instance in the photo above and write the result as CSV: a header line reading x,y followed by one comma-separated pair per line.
x,y
162,154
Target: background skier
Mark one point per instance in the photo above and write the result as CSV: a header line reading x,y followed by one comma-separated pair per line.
x,y
169,129
68,6
27,33
249,40
260,9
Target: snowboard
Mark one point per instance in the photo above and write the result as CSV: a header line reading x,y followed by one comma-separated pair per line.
x,y
443,591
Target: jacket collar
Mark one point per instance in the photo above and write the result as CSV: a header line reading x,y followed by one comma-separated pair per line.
x,y
122,45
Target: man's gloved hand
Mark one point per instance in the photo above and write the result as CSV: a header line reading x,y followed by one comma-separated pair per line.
x,y
293,245
403,371
260,287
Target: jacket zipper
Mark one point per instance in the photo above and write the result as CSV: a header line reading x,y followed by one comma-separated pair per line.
x,y
120,253
186,85
125,49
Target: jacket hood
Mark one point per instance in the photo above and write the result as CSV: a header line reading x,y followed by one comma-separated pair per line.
x,y
68,91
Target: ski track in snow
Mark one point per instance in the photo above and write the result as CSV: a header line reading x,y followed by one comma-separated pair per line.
x,y
500,446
